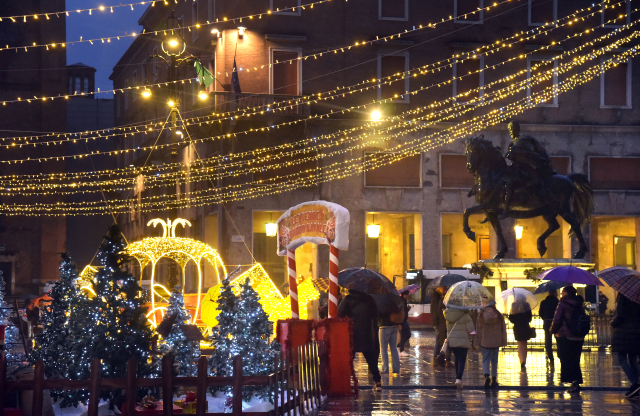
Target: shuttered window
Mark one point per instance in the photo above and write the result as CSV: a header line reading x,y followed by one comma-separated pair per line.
x,y
542,11
619,173
284,71
615,86
404,173
393,9
391,66
468,11
468,79
454,173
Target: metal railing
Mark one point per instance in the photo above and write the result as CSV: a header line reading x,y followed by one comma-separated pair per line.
x,y
277,104
294,384
598,337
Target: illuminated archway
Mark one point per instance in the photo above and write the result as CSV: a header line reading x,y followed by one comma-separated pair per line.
x,y
149,251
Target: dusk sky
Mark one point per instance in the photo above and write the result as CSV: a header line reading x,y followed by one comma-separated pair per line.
x,y
101,56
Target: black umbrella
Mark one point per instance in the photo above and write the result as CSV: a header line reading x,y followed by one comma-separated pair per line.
x,y
388,303
446,280
549,286
365,281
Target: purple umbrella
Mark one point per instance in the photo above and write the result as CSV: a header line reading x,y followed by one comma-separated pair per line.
x,y
411,289
570,274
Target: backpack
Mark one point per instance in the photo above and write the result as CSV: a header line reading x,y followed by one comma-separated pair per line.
x,y
580,323
397,317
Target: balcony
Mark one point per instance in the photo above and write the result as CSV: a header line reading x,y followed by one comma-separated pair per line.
x,y
227,102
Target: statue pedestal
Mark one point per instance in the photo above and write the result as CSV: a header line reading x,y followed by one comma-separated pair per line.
x,y
509,273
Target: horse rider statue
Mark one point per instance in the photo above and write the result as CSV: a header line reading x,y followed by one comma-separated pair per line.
x,y
530,167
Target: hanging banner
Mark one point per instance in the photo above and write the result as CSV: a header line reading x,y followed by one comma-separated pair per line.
x,y
318,222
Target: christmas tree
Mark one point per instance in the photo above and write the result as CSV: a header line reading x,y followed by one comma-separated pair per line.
x,y
12,333
115,327
55,344
223,336
175,343
253,334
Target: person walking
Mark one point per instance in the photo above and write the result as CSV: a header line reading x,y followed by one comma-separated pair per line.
x,y
569,344
520,317
491,334
547,311
362,310
388,334
626,341
440,326
460,327
405,330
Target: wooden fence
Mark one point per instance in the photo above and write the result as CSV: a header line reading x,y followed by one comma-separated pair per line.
x,y
294,384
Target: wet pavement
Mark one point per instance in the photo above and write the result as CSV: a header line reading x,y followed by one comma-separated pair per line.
x,y
422,389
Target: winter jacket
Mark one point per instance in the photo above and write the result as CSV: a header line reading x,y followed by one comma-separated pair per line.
x,y
491,331
362,310
460,326
626,327
384,319
565,309
521,328
548,310
437,316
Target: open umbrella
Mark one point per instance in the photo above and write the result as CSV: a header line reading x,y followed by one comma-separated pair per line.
x,y
411,289
388,303
516,300
366,281
625,281
467,295
446,280
570,274
549,286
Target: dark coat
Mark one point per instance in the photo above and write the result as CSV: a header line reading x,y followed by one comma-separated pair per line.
x,y
362,310
521,328
437,316
548,310
564,311
626,327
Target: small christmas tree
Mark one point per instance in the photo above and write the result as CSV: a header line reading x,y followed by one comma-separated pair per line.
x,y
11,332
223,336
175,343
253,333
55,344
115,328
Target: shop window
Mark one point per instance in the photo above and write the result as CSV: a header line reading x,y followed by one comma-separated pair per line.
x,y
612,12
537,65
554,247
404,173
468,11
446,251
454,173
372,260
615,86
398,245
290,7
614,173
285,72
468,80
624,251
484,248
396,87
393,9
542,12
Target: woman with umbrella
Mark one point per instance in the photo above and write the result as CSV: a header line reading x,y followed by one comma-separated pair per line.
x,y
522,301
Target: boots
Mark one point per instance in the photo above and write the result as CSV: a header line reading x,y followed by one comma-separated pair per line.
x,y
494,382
487,381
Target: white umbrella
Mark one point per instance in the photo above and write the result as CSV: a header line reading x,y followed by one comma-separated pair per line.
x,y
467,295
516,300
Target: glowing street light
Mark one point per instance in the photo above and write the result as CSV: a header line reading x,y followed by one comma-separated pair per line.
x,y
376,115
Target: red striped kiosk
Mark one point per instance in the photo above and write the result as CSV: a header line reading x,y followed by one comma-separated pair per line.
x,y
318,222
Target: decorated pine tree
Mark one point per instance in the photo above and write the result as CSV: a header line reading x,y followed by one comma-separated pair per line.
x,y
175,343
115,328
253,334
12,333
224,340
55,344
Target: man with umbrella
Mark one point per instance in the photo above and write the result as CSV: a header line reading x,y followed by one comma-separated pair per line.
x,y
547,312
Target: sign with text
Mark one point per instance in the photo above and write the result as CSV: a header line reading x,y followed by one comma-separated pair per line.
x,y
317,222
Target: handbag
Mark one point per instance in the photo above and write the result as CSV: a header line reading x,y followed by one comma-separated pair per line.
x,y
532,332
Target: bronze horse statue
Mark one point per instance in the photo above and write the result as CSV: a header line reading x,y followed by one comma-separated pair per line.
x,y
569,196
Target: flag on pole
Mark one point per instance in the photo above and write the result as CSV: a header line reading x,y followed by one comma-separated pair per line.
x,y
235,81
205,77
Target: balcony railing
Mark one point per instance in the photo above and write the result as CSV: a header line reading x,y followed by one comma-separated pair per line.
x,y
269,103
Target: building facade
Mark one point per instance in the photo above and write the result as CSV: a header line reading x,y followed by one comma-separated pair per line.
x,y
28,245
458,52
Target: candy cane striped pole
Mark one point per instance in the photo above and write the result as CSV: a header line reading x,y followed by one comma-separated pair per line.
x,y
293,283
333,282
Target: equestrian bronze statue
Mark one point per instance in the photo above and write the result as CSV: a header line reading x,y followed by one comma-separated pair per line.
x,y
527,188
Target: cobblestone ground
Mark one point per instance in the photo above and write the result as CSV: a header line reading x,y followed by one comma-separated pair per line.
x,y
422,389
